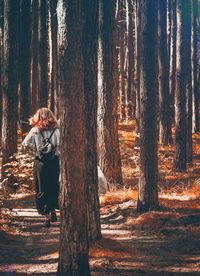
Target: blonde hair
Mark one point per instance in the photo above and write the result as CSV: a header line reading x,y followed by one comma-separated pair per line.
x,y
44,119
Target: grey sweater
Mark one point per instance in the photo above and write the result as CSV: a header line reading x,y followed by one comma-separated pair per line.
x,y
34,138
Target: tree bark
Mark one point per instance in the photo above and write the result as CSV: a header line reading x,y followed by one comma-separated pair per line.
x,y
148,193
43,54
73,253
172,78
180,99
55,101
195,87
165,135
90,47
35,42
10,79
1,61
138,62
131,67
188,64
108,142
25,62
122,49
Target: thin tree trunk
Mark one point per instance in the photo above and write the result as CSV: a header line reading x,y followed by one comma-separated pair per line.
x,y
148,193
195,87
43,54
180,99
165,135
122,31
172,78
73,253
138,62
10,79
54,74
108,141
189,82
131,54
25,62
35,42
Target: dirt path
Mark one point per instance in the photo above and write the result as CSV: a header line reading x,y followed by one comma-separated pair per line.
x,y
157,243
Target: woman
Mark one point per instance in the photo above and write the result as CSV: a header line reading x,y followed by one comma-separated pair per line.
x,y
44,139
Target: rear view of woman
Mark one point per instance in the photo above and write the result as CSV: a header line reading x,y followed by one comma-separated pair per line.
x,y
44,139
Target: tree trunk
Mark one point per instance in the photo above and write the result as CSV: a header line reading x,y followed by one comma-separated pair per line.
x,y
188,64
1,61
148,193
122,49
172,77
180,99
169,24
54,73
73,253
165,135
10,79
138,61
35,42
108,142
90,46
131,55
195,87
43,54
25,62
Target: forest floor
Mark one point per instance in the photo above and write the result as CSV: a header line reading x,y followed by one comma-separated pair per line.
x,y
163,242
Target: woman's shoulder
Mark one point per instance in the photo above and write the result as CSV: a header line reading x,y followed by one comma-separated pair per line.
x,y
34,130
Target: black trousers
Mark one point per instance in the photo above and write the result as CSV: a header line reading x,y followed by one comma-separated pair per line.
x,y
46,177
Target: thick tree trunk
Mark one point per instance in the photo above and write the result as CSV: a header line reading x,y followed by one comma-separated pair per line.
x,y
195,87
90,46
172,78
165,135
181,80
35,42
55,101
108,142
25,62
73,253
148,194
43,54
1,62
10,79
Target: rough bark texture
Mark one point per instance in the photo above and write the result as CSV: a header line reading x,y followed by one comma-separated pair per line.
x,y
131,55
55,100
73,253
122,50
138,61
35,42
165,135
188,64
172,79
90,46
43,54
195,65
10,79
25,62
148,194
108,142
1,61
180,98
